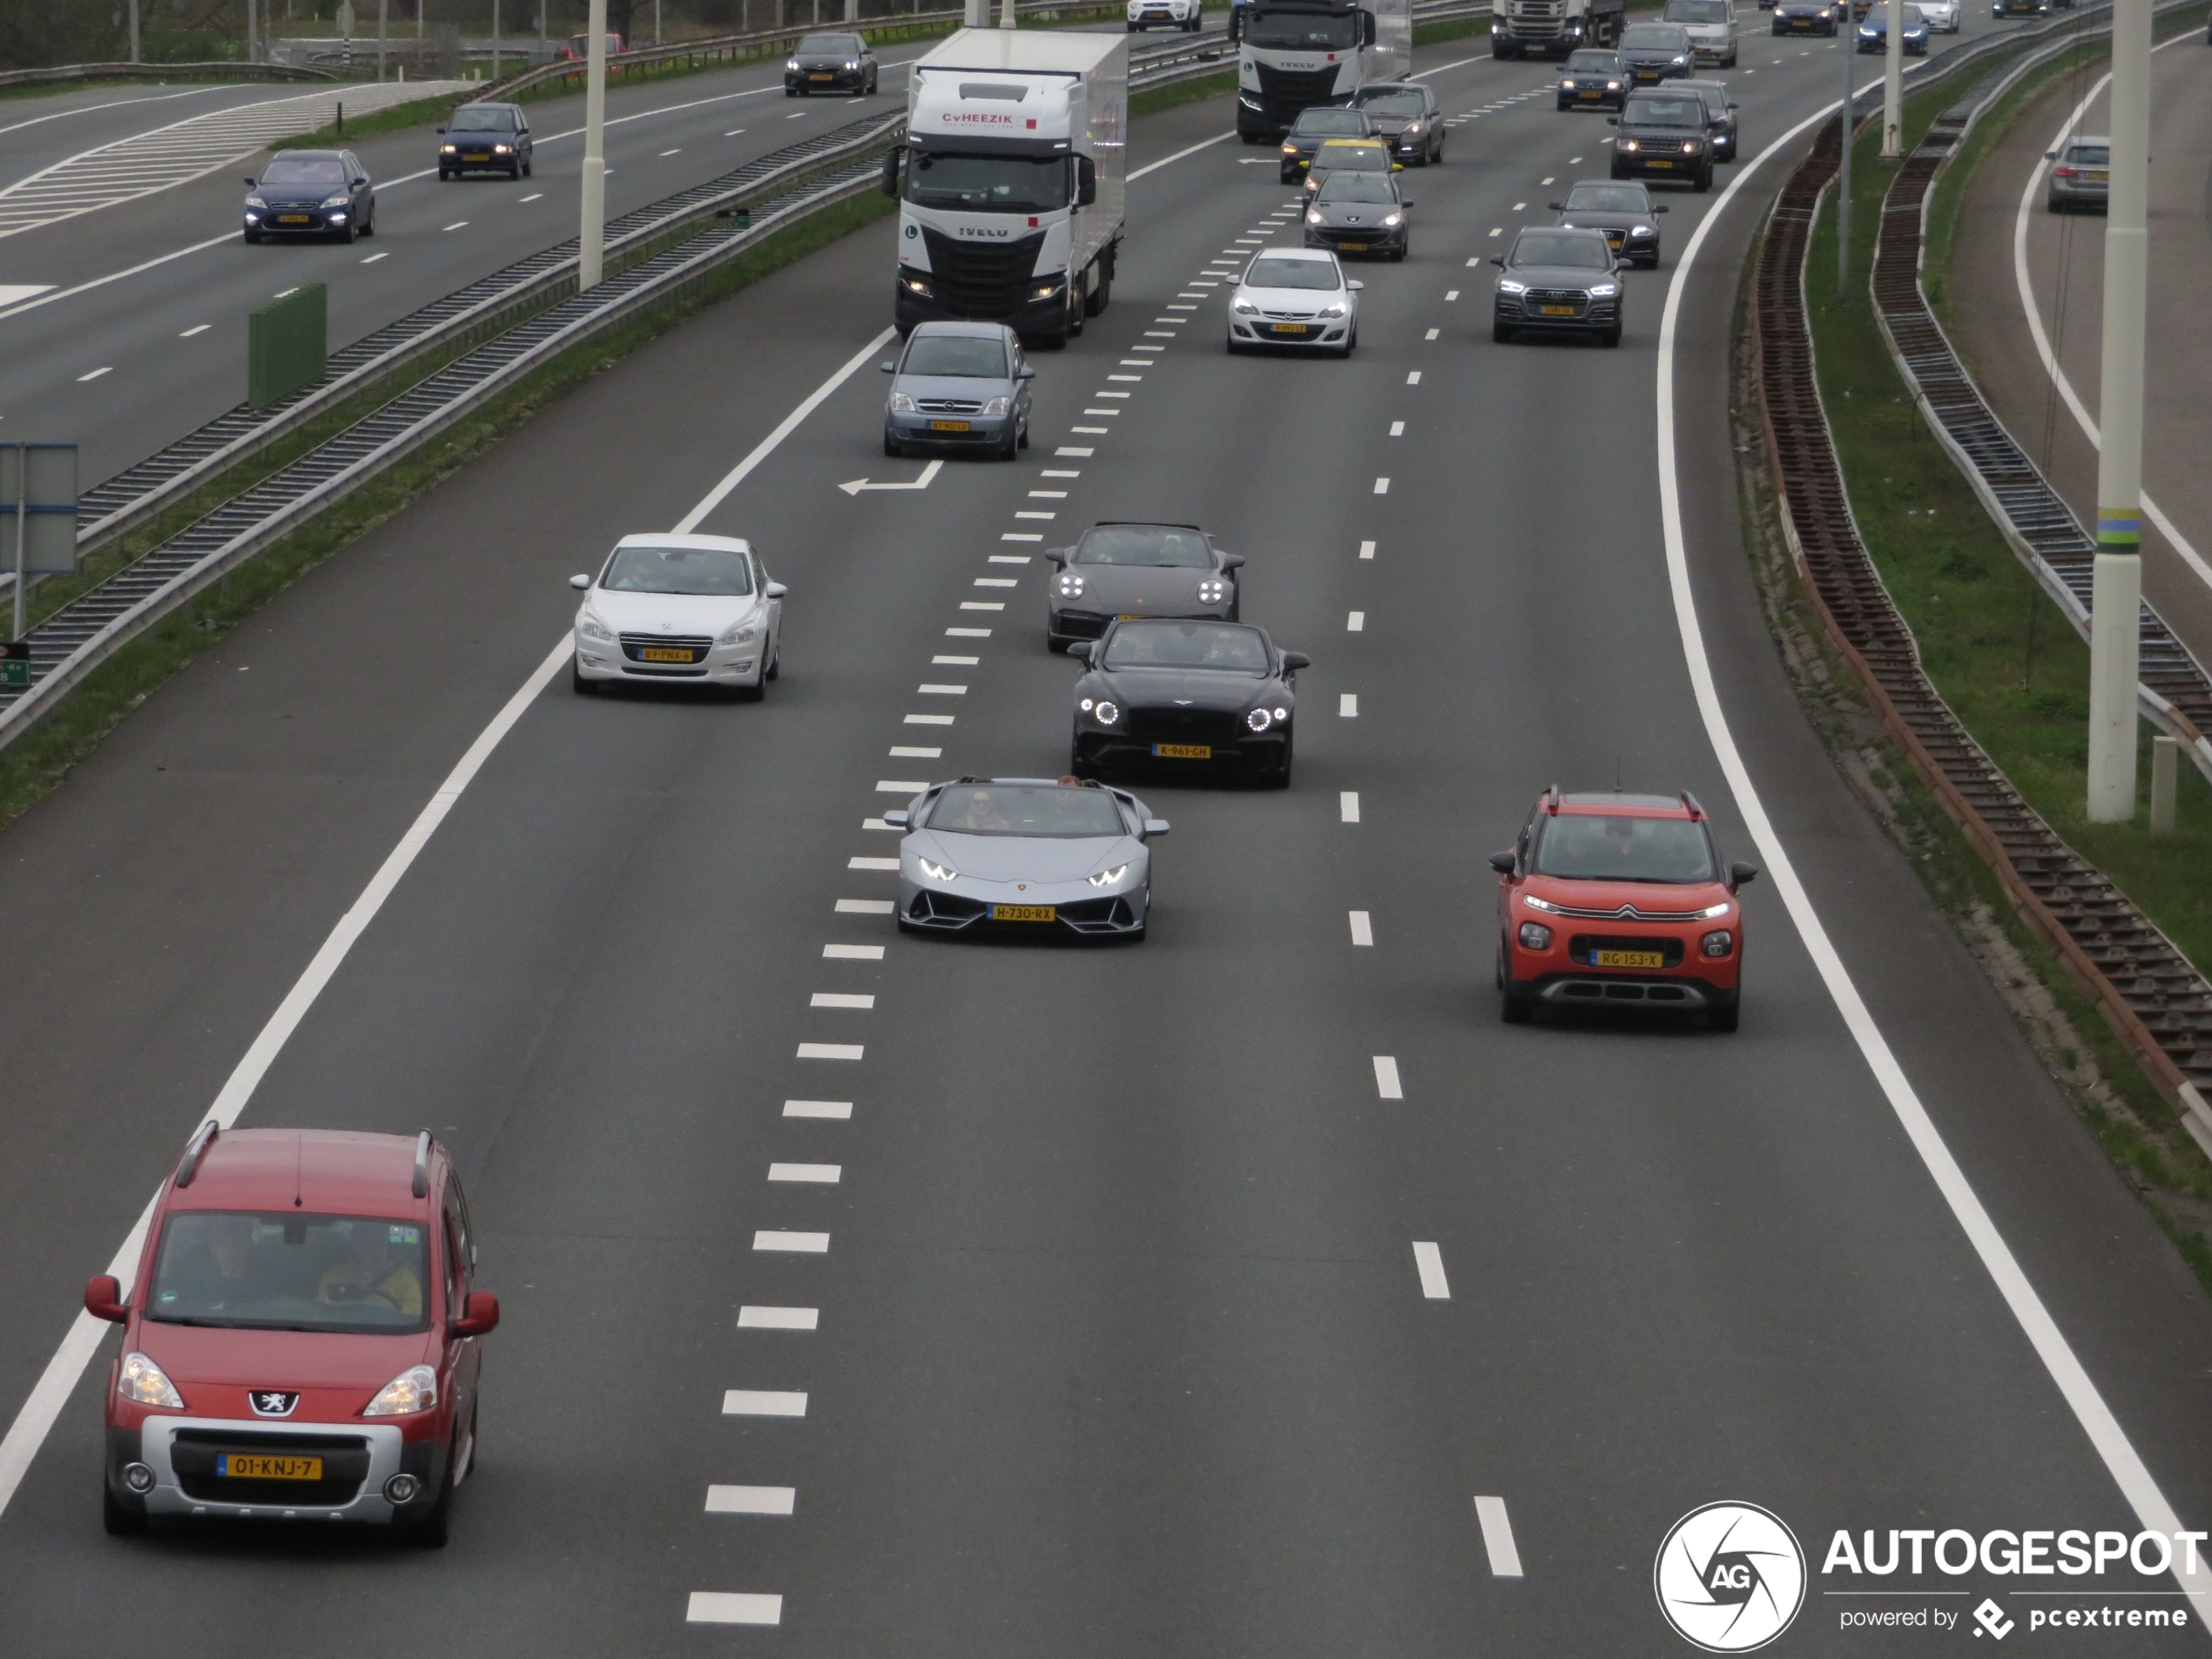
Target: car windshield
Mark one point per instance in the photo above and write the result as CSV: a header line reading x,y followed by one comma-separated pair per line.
x,y
2090,155
1351,158
1594,64
994,184
1586,252
1330,124
1307,30
718,571
1144,544
1357,187
1653,37
959,356
1607,198
1026,809
1687,110
1696,11
1394,102
320,172
468,120
289,1271
1187,644
1267,273
830,46
1588,847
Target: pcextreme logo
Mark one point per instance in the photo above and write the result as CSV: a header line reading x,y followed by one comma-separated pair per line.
x,y
1730,1577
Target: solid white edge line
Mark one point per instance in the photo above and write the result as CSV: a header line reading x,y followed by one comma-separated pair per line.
x,y
1497,1537
37,1416
2105,1434
2058,376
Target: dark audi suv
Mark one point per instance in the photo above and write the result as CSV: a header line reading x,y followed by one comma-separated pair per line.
x,y
1564,281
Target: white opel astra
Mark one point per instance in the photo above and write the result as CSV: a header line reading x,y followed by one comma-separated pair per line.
x,y
683,609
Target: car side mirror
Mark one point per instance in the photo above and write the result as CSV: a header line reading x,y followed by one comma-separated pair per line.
x,y
1025,373
1403,203
1355,286
1156,827
1612,121
1079,648
888,368
1557,207
1086,181
480,1315
1660,208
1232,561
892,157
1056,554
1398,166
1733,106
2048,155
1294,660
579,583
899,817
1367,28
776,590
1502,863
104,1301
1498,260
441,133
1739,874
249,184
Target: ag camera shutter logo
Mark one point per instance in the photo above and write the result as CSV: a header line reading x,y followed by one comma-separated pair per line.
x,y
1730,1577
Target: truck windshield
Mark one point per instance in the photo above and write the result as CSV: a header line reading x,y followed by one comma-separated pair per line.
x,y
988,184
1319,31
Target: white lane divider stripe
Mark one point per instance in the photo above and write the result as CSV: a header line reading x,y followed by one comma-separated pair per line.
x,y
1428,1262
841,1000
871,864
1382,486
1413,377
967,633
832,1109
2074,1383
928,719
798,1243
753,1317
759,1402
831,1050
1363,931
751,1500
1355,622
1348,805
898,786
1497,1537
1348,705
733,1607
819,1174
853,952
1386,1083
1366,549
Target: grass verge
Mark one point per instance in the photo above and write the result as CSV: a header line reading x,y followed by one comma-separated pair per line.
x,y
398,118
37,762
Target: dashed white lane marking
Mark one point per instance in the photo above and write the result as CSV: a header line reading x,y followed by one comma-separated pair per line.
x,y
928,689
838,1108
1546,181
1363,932
928,719
1355,622
1476,260
1574,161
1348,705
733,133
949,659
1132,362
982,604
1396,428
911,752
677,151
1366,549
967,633
373,257
827,1174
791,1244
1010,558
1450,295
96,373
1051,495
458,225
761,1402
1044,513
864,907
1428,1261
1348,805
1497,1533
798,115
1413,377
1497,230
733,1607
751,1500
853,953
871,864
1386,1083
536,195
1382,486
833,1050
898,786
1139,379
196,328
751,1318
1517,206
1076,472
1078,452
1431,333
841,1000
1020,535
1081,431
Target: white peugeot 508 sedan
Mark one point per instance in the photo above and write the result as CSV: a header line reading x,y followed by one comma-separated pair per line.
x,y
682,610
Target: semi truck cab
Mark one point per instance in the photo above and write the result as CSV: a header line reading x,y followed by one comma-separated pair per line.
x,y
1294,54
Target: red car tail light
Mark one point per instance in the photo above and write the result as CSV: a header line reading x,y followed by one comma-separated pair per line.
x,y
2063,172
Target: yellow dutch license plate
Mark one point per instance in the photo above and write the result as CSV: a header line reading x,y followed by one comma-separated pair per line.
x,y
1590,95
948,426
2100,177
1024,913
1183,751
1290,327
237,1466
478,156
1628,959
819,77
1658,164
663,654
295,218
1353,248
1557,311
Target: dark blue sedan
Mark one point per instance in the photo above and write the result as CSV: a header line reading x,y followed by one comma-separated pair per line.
x,y
1874,33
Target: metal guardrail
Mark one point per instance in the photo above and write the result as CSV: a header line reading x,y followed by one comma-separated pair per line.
x,y
2148,990
239,71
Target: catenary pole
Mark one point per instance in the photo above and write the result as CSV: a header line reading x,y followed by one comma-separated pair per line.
x,y
1892,81
1848,43
2116,644
592,235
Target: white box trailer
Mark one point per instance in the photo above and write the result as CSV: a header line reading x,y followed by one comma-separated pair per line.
x,y
1011,179
1293,54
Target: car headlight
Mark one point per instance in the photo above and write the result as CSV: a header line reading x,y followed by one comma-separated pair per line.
x,y
412,1391
255,201
1313,216
1507,285
590,627
1604,290
998,405
1070,586
1641,229
1290,149
901,404
144,1383
1412,129
1259,719
851,64
1104,712
1567,86
1713,912
1281,715
1244,307
790,63
1719,942
338,200
1534,903
1336,310
499,149
1682,60
1535,936
449,149
1613,86
738,633
1045,290
917,284
1393,219
1106,877
1212,591
1628,144
937,872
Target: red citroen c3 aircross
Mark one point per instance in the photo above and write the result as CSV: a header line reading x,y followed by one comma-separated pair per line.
x,y
1619,901
300,1341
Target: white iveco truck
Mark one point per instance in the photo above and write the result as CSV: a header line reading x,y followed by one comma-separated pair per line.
x,y
1010,180
1553,27
1293,54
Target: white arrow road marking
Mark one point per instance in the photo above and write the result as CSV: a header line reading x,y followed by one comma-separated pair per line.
x,y
927,473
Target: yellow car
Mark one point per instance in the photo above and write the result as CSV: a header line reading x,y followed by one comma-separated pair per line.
x,y
1348,155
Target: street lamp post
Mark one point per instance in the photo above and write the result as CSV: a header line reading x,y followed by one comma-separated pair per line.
x,y
592,235
1892,81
